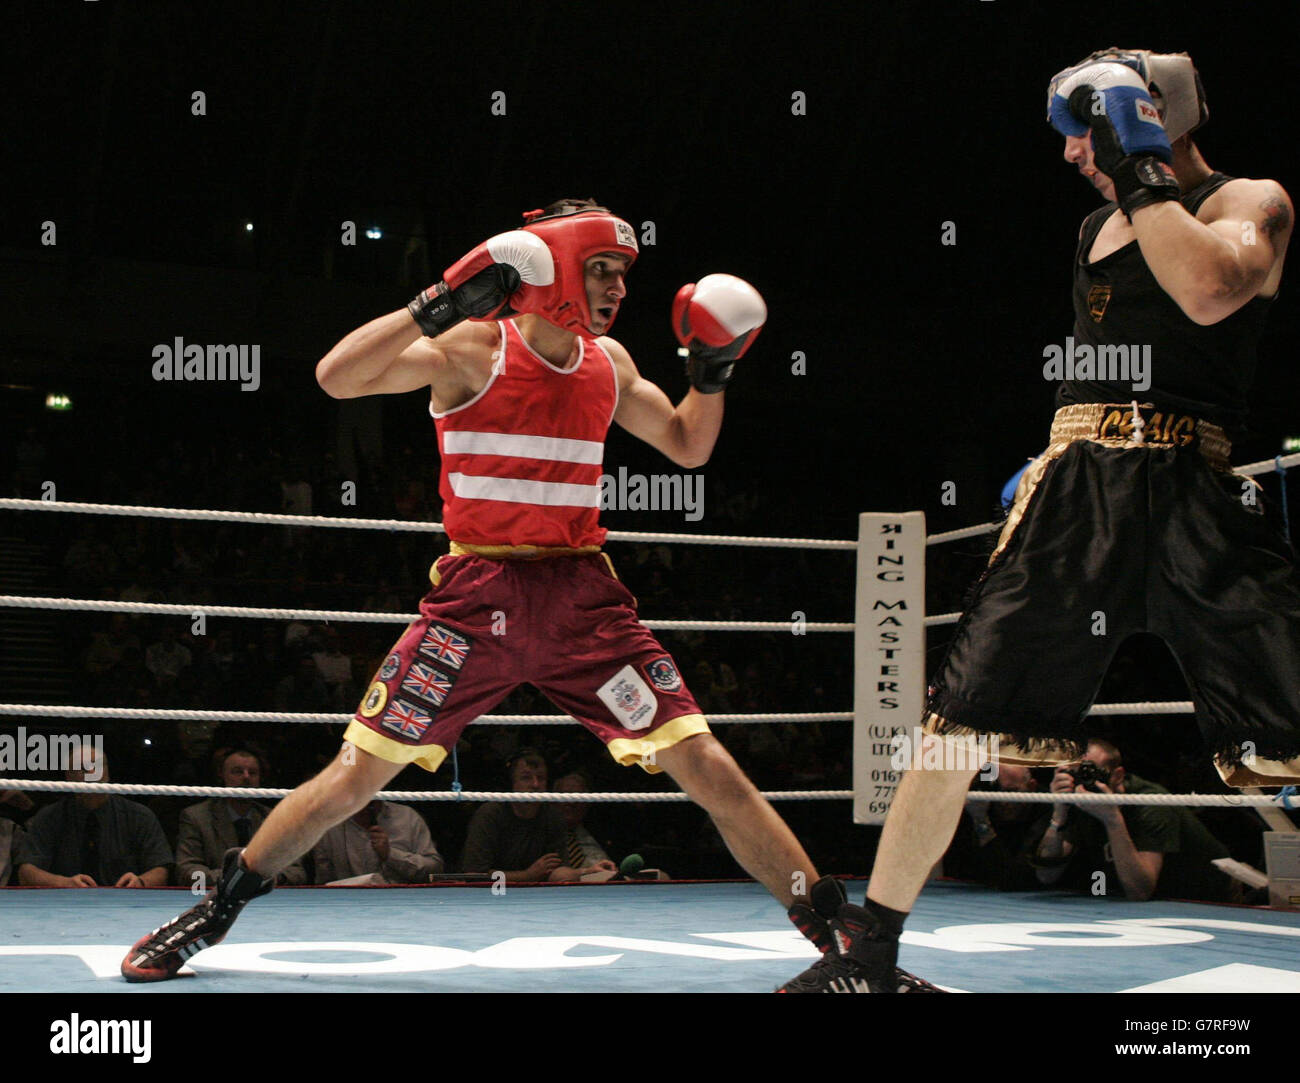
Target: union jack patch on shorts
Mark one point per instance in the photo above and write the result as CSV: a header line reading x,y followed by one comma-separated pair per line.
x,y
426,683
443,645
406,719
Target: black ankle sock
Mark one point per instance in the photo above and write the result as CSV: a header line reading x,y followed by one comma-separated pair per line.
x,y
889,922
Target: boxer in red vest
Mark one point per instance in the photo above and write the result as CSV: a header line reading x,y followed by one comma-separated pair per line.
x,y
512,347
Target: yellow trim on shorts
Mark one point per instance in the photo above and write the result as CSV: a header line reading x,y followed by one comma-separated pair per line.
x,y
519,552
429,757
629,752
1260,773
1050,753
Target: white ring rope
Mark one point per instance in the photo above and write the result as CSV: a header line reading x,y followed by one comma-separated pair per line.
x,y
1265,465
1175,707
96,605
280,519
957,535
165,714
395,795
393,525
1197,800
265,518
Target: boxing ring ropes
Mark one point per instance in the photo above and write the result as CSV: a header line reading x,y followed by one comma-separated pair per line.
x,y
22,710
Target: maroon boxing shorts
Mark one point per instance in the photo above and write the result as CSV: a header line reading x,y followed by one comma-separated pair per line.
x,y
564,624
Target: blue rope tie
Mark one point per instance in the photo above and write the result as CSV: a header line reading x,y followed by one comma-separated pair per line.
x,y
1284,796
1286,513
455,773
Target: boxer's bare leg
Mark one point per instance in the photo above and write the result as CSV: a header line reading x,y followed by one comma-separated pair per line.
x,y
757,837
297,823
918,829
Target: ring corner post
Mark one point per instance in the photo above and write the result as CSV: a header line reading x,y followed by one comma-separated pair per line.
x,y
888,653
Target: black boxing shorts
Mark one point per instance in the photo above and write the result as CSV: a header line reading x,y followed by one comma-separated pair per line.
x,y
1108,537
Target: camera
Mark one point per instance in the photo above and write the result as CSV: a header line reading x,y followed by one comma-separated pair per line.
x,y
1087,774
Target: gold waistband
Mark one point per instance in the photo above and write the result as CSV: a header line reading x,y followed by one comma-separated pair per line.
x,y
520,552
1113,424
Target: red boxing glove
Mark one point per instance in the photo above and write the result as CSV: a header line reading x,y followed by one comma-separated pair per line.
x,y
505,274
716,319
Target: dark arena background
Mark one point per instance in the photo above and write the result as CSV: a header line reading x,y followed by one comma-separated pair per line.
x,y
271,176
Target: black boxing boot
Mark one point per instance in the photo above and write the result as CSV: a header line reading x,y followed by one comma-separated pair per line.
x,y
164,951
826,896
859,946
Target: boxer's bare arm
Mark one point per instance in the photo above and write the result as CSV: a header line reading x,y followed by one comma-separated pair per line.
x,y
390,355
1213,264
685,434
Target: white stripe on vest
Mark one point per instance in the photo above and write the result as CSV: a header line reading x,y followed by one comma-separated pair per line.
x,y
555,449
521,491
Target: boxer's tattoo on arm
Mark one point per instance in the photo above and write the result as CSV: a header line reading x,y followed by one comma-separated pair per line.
x,y
1277,216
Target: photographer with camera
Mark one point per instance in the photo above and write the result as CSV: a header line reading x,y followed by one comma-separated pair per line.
x,y
997,841
1153,850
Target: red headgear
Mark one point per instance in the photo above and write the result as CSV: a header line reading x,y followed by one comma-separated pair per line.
x,y
573,238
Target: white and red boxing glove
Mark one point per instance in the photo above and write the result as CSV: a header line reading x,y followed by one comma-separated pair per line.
x,y
498,278
717,320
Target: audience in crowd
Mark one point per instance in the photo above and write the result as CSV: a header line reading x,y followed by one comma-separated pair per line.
x,y
1145,851
167,659
14,807
210,828
93,839
304,688
335,670
301,666
997,841
385,842
581,850
525,840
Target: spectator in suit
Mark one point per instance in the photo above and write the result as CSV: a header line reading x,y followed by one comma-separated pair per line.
x,y
385,840
210,828
581,850
93,839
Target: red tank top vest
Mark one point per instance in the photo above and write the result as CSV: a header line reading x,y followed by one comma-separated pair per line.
x,y
521,461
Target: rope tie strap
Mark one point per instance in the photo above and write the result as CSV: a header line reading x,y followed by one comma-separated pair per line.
x,y
1139,429
1286,512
